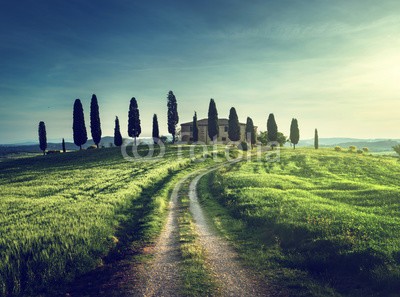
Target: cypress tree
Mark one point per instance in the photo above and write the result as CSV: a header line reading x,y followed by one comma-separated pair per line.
x,y
195,128
213,130
272,128
250,131
173,117
316,144
134,128
156,131
78,126
42,137
63,146
117,133
294,133
95,126
233,125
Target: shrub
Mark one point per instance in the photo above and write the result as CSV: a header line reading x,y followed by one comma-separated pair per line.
x,y
243,146
338,148
92,147
397,148
360,151
164,139
352,148
365,149
53,152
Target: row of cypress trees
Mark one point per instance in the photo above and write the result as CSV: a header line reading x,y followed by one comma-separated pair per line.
x,y
134,126
78,126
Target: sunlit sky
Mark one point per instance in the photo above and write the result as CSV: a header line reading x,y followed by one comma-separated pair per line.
x,y
333,65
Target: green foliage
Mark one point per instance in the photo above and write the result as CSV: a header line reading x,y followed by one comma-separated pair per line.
x,y
272,128
243,146
95,125
334,216
263,138
251,136
195,131
294,133
282,139
42,137
164,139
352,148
78,126
173,117
360,151
233,125
134,128
365,149
316,141
396,148
117,133
338,148
213,130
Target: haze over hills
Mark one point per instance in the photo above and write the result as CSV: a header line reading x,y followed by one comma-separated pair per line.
x,y
374,145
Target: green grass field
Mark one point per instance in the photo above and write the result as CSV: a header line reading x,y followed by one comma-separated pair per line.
x,y
332,217
60,215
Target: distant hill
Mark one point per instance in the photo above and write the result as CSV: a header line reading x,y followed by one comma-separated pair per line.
x,y
374,145
30,147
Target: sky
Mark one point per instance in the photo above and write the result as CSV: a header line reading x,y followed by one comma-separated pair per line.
x,y
333,65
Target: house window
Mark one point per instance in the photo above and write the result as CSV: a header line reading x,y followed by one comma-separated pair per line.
x,y
223,138
226,128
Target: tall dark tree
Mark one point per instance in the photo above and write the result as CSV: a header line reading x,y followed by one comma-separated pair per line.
x,y
95,126
272,128
63,146
78,126
156,130
195,130
42,137
117,133
294,133
250,132
173,117
213,130
134,128
316,144
233,125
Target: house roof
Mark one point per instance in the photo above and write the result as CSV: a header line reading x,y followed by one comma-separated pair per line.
x,y
204,122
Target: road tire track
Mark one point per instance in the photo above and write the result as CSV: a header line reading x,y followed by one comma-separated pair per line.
x,y
162,277
232,277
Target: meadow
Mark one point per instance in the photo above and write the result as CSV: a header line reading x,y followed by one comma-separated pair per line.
x,y
61,215
317,222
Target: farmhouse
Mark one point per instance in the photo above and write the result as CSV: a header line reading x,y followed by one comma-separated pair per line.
x,y
187,131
